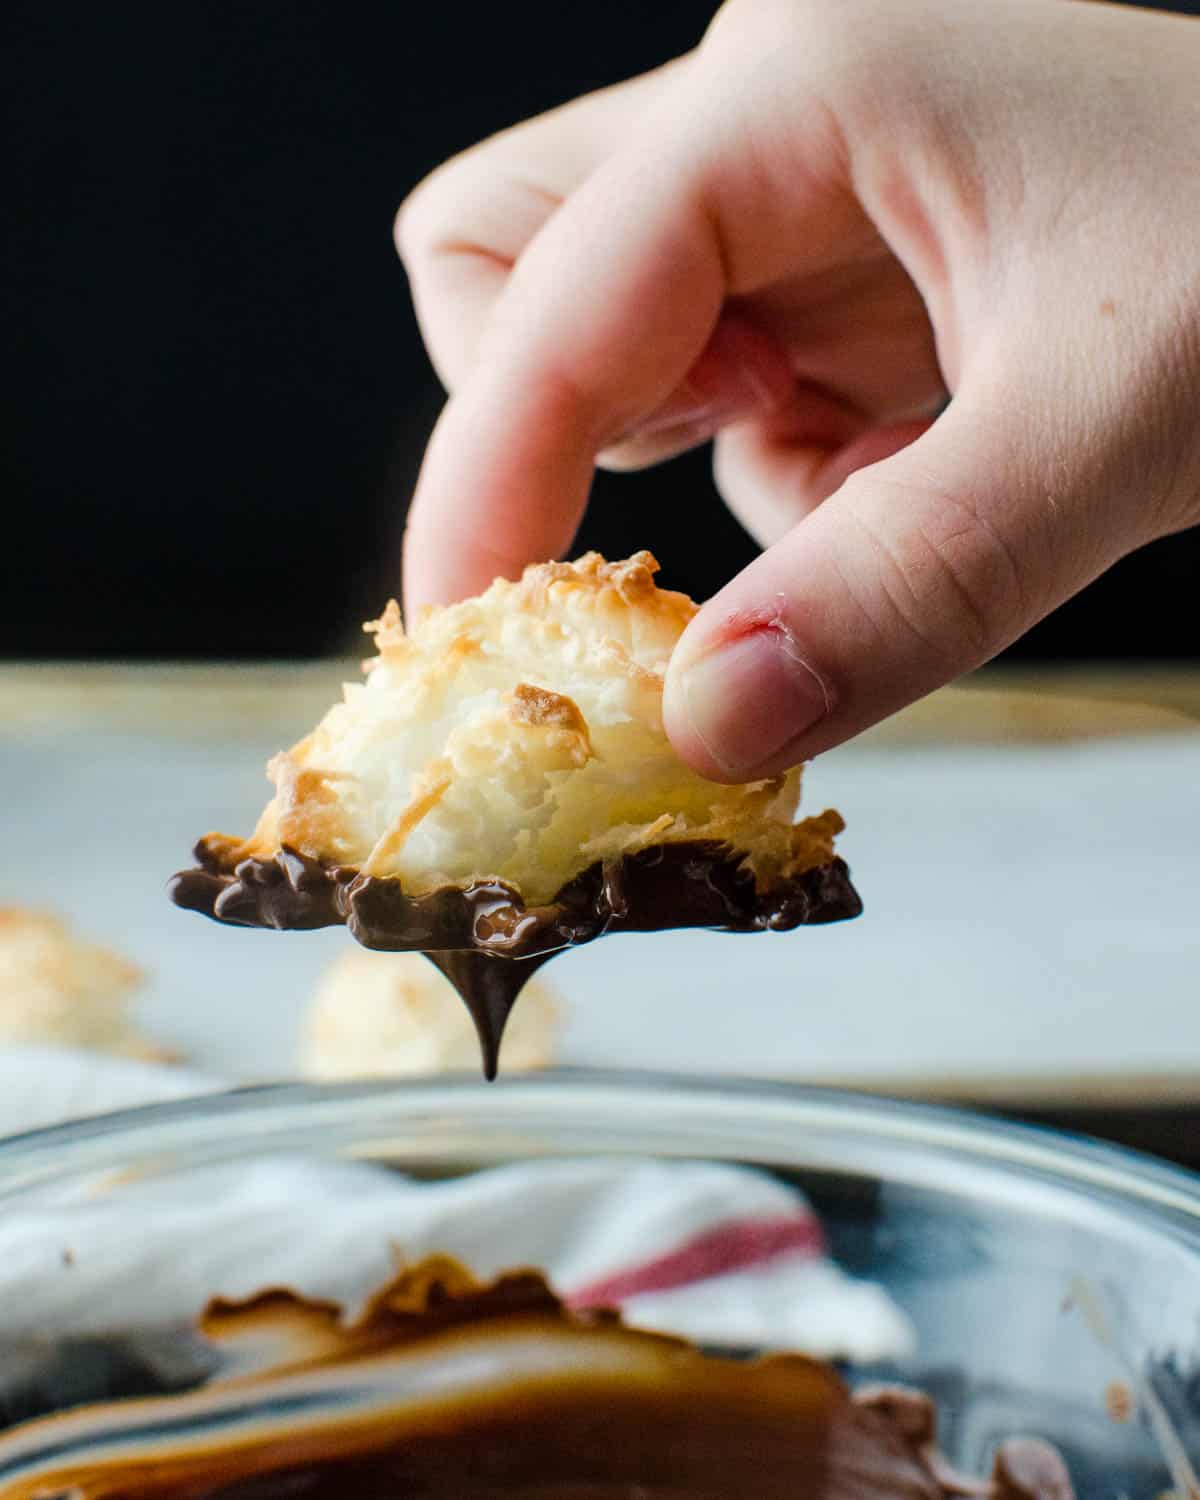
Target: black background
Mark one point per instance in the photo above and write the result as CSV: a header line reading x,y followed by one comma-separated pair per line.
x,y
215,395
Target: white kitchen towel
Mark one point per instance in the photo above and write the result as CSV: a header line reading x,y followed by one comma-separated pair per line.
x,y
718,1253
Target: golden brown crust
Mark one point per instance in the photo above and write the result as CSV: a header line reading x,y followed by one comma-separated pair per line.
x,y
518,736
532,705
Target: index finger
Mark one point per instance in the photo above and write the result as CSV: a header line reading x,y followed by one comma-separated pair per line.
x,y
604,314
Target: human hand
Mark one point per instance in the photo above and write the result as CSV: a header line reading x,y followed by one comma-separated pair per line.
x,y
799,239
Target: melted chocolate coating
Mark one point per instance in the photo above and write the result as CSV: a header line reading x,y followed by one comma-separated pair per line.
x,y
445,1389
483,936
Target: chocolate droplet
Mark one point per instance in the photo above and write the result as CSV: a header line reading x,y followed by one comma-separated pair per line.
x,y
488,988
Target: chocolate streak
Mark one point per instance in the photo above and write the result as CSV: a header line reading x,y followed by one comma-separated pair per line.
x,y
446,1389
483,936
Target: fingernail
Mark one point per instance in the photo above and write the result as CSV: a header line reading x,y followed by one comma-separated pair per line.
x,y
718,391
692,410
748,699
678,416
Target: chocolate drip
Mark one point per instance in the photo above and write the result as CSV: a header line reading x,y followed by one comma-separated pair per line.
x,y
483,936
488,987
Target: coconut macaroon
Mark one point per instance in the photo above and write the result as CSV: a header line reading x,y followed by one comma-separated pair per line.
x,y
501,786
60,989
519,736
392,1015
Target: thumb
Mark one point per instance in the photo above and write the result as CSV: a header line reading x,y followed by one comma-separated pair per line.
x,y
919,568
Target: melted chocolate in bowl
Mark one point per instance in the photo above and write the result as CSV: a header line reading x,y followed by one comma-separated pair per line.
x,y
483,936
444,1388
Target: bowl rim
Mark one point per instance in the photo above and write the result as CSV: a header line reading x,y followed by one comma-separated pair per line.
x,y
303,1114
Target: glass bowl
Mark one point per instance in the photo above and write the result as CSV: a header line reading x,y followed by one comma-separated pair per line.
x,y
1049,1286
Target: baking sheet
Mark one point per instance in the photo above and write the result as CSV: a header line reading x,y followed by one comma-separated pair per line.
x,y
1032,923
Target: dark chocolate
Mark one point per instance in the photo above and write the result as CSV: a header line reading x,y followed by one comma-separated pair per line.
x,y
483,936
489,988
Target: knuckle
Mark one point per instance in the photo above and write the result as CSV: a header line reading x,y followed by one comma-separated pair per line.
x,y
772,21
737,19
484,203
422,218
948,575
817,38
410,228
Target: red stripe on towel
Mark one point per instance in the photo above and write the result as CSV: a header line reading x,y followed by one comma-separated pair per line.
x,y
737,1245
